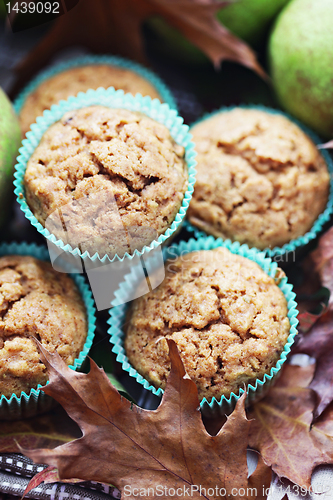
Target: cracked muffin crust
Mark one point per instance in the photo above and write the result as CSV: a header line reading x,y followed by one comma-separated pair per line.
x,y
74,80
36,301
226,315
117,176
260,178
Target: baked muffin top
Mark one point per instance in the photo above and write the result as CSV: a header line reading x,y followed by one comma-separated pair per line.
x,y
118,176
36,301
80,79
226,315
260,178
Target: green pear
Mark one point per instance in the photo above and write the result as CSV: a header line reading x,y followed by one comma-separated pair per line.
x,y
300,57
247,19
10,140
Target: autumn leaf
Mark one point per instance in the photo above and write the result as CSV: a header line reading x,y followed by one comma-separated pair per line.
x,y
312,297
282,428
318,341
128,447
296,376
47,430
48,475
260,480
307,319
322,259
115,26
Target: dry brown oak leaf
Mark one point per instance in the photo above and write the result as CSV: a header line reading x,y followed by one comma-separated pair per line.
x,y
322,260
115,26
123,444
258,485
282,427
260,481
318,342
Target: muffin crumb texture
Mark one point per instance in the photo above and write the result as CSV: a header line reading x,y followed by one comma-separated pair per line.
x,y
36,301
117,175
260,178
74,80
226,315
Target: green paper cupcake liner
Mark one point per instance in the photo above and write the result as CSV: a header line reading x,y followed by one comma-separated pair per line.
x,y
113,99
297,243
260,387
121,62
28,405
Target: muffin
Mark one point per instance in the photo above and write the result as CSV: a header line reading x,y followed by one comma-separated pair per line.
x,y
106,180
80,79
228,318
36,301
260,178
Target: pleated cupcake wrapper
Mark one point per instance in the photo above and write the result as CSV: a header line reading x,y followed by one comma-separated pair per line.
x,y
36,401
120,62
114,99
297,243
223,405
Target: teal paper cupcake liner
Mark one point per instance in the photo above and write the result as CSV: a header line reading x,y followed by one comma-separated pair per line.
x,y
113,99
260,387
297,243
28,405
121,62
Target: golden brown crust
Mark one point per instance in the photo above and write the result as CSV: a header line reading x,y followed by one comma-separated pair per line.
x,y
74,80
36,301
226,315
260,179
108,169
